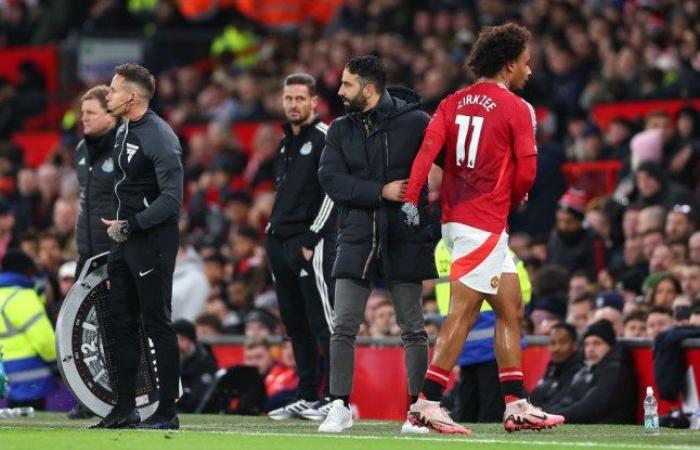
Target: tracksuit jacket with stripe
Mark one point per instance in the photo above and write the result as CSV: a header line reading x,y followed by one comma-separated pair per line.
x,y
301,206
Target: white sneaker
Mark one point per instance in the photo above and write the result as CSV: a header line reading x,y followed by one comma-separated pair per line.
x,y
339,418
318,411
290,410
409,428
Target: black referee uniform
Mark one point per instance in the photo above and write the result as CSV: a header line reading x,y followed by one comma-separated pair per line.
x,y
148,193
304,216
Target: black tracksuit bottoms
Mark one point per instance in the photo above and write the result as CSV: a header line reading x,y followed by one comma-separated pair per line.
x,y
305,292
141,276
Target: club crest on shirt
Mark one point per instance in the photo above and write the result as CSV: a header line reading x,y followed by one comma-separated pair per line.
x,y
131,150
305,149
494,282
108,165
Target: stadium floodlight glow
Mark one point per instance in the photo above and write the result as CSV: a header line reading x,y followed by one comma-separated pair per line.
x,y
84,346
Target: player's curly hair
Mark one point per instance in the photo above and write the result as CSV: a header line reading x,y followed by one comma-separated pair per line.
x,y
495,47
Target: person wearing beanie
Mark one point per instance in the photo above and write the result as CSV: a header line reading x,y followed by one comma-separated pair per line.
x,y
652,186
572,245
604,389
197,366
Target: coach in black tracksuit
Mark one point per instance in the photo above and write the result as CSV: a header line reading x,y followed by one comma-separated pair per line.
x,y
301,241
148,194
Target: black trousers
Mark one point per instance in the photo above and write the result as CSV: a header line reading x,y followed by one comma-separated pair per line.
x,y
479,396
141,276
305,296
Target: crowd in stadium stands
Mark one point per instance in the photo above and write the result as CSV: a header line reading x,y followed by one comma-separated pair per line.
x,y
632,257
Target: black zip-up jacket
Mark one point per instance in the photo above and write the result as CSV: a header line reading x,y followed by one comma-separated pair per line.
x,y
373,241
95,168
556,381
148,173
301,206
604,393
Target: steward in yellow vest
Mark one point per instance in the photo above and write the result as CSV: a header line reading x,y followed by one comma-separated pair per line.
x,y
26,335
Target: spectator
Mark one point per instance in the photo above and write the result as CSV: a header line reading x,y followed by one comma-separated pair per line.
x,y
581,311
665,290
7,228
611,315
66,277
578,284
383,322
653,188
26,334
680,223
690,281
190,286
694,248
572,245
208,326
659,319
604,390
280,381
197,367
565,361
260,324
635,325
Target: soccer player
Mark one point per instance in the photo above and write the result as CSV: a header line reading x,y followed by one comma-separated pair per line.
x,y
488,134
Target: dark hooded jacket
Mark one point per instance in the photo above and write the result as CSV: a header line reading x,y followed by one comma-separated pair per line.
x,y
603,393
556,381
365,151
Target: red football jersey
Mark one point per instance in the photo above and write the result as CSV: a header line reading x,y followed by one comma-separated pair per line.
x,y
484,129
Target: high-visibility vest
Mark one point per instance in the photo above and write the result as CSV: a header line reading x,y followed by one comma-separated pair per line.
x,y
243,44
479,344
28,343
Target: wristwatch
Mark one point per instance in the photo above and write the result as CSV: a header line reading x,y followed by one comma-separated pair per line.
x,y
124,227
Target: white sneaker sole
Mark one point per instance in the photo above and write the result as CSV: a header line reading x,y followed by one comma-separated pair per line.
x,y
409,428
330,429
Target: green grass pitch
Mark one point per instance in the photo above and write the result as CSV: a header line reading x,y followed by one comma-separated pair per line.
x,y
50,431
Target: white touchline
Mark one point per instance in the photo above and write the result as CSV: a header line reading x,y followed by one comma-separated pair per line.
x,y
445,439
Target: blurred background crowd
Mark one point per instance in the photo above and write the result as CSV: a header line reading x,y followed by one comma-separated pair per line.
x,y
631,256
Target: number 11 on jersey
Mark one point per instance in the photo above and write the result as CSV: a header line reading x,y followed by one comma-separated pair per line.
x,y
463,122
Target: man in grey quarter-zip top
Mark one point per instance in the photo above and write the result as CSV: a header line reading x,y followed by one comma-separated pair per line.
x,y
148,195
364,166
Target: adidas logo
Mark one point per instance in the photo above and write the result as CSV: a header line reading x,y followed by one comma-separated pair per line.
x,y
303,273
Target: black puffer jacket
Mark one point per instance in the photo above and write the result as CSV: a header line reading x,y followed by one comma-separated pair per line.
x,y
373,242
95,167
604,393
556,381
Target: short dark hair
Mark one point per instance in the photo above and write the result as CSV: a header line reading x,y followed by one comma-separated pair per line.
x,y
139,75
495,47
568,328
638,315
370,69
585,297
303,79
209,320
661,310
98,93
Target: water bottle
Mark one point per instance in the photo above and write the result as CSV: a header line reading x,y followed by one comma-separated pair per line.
x,y
651,413
24,411
3,378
